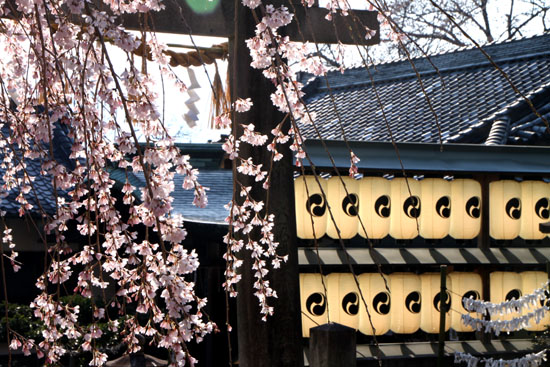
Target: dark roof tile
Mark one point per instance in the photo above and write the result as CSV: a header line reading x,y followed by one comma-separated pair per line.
x,y
466,91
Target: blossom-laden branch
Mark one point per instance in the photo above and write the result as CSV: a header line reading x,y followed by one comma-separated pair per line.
x,y
59,85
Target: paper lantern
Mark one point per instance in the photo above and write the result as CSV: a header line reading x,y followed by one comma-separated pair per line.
x,y
313,302
535,202
344,207
375,207
504,209
530,281
310,204
436,208
465,220
504,287
407,208
378,300
343,299
464,285
406,304
429,315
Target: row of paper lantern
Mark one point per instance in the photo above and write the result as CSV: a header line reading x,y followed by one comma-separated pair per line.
x,y
432,208
411,304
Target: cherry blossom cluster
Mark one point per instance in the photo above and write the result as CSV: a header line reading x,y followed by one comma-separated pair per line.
x,y
59,84
251,225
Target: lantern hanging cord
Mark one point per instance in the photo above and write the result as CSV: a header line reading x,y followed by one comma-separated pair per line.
x,y
306,315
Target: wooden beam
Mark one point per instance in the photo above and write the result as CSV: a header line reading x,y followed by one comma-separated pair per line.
x,y
179,18
276,342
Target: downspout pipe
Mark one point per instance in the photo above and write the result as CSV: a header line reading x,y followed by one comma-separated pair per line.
x,y
499,130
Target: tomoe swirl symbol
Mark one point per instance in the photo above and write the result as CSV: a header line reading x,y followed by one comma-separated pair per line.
x,y
316,205
413,302
473,207
382,206
474,294
513,208
542,208
381,303
350,205
437,302
411,207
350,303
316,304
443,207
545,301
513,294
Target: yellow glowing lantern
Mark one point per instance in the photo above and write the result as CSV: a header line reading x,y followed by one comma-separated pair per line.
x,y
505,286
310,204
465,220
429,315
343,299
535,202
313,302
407,208
378,300
464,285
530,281
375,207
504,209
436,208
406,303
344,206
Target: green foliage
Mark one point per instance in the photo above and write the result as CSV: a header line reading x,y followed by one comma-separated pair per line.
x,y
21,320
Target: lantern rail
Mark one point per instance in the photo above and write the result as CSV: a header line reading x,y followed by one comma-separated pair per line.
x,y
425,256
429,349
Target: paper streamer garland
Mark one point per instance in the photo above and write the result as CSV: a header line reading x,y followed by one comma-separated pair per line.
x,y
506,307
498,326
530,360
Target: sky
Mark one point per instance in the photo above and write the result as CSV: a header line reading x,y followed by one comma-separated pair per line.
x,y
175,103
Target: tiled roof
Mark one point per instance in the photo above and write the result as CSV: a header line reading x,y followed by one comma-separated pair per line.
x,y
42,194
220,185
464,94
220,191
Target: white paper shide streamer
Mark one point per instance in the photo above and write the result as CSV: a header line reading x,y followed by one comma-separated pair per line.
x,y
504,308
497,326
529,360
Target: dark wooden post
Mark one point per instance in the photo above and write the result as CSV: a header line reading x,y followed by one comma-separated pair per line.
x,y
277,341
332,345
483,242
442,313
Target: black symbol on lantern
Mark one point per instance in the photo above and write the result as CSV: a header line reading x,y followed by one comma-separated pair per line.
x,y
542,208
382,206
473,294
381,303
513,294
411,207
545,301
316,304
443,207
412,302
350,205
437,301
350,303
473,206
316,205
513,208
